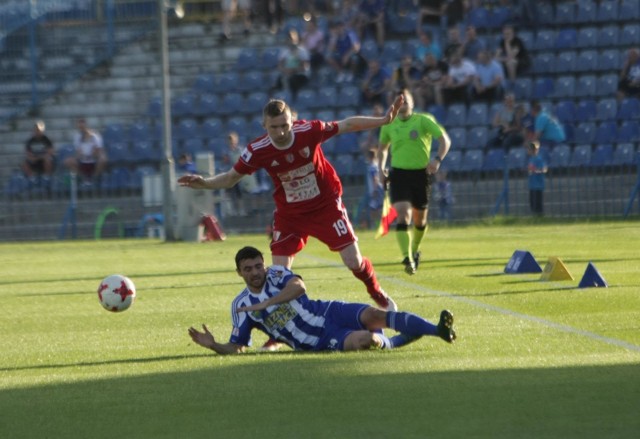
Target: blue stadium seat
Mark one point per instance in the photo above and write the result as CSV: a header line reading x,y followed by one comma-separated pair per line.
x,y
117,180
478,137
212,128
269,58
586,61
154,108
629,131
630,34
439,112
624,154
560,156
326,97
343,164
522,88
565,111
545,40
542,88
607,11
478,114
138,175
586,86
584,132
458,138
587,37
404,24
140,131
117,152
566,61
16,184
565,13
183,106
206,105
608,36
204,83
479,17
609,60
349,96
369,49
545,13
629,9
238,124
629,108
494,160
194,146
472,160
606,132
225,82
114,133
581,156
392,51
586,11
185,129
607,85
255,102
527,37
566,39
247,59
499,16
606,109
452,160
144,152
326,115
544,62
585,110
564,87
347,144
602,155
231,104
517,158
305,100
457,115
251,81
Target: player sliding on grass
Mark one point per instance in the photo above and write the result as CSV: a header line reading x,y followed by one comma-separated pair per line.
x,y
308,191
275,302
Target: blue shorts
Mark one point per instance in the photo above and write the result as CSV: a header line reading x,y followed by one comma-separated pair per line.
x,y
341,320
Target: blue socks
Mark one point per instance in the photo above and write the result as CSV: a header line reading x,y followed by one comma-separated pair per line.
x,y
410,324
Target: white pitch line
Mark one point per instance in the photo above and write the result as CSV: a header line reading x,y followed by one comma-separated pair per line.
x,y
505,311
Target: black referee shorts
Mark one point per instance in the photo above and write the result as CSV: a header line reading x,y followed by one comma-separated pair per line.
x,y
413,185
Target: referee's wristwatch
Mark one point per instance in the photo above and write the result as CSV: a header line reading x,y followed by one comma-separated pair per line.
x,y
438,159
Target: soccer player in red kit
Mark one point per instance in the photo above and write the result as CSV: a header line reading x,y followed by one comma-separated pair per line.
x,y
308,191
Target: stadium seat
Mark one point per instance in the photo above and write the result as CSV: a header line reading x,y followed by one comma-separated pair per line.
x,y
607,11
586,86
566,39
478,137
585,110
544,62
542,88
528,37
564,87
212,128
238,124
348,96
587,37
545,13
251,81
452,161
225,82
586,61
305,99
114,133
566,61
392,51
545,40
586,11
118,152
584,132
606,132
629,108
581,156
565,13
608,36
139,131
144,152
522,88
138,174
231,104
457,115
602,155
629,9
494,160
369,49
560,156
204,83
247,59
606,109
194,146
183,106
347,144
630,35
458,138
255,102
185,129
206,105
439,112
326,115
118,179
472,160
499,16
269,58
565,111
343,164
479,17
404,24
517,158
16,184
478,114
624,154
629,131
609,60
154,108
326,97
607,85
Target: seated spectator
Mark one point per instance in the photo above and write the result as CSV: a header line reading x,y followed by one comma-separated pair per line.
x,y
454,41
427,45
508,124
186,164
454,12
90,158
489,80
343,52
229,9
430,15
313,39
512,53
406,75
472,44
39,162
460,76
546,128
432,77
294,66
629,81
371,16
376,83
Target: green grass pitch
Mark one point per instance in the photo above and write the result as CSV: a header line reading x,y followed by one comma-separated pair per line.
x,y
533,359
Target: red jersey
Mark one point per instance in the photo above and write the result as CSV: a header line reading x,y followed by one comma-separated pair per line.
x,y
304,179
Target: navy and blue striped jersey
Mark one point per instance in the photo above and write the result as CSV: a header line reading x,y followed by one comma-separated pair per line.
x,y
299,323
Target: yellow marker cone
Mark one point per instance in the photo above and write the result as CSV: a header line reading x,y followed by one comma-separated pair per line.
x,y
555,270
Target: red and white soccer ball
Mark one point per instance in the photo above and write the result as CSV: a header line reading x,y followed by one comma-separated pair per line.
x,y
116,293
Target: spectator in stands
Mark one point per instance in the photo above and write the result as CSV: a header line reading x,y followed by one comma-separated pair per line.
x,y
629,81
90,158
186,164
406,75
294,66
343,52
39,162
432,78
488,84
537,168
229,10
376,83
454,42
444,196
274,14
547,129
472,44
459,79
371,17
512,53
371,203
429,14
454,12
526,11
230,157
427,45
507,123
313,39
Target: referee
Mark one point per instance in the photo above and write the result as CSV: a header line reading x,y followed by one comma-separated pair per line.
x,y
409,138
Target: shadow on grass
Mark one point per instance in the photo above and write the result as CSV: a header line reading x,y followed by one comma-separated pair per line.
x,y
325,396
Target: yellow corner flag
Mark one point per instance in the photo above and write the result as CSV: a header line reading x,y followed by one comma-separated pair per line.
x,y
388,216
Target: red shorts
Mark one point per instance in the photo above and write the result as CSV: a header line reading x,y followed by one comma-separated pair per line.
x,y
330,225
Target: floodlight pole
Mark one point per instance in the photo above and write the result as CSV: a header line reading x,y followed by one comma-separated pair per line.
x,y
167,166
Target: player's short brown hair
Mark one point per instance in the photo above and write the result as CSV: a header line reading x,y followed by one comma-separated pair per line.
x,y
275,108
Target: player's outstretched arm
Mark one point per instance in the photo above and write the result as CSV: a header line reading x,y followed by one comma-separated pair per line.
x,y
206,340
221,181
361,123
294,289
